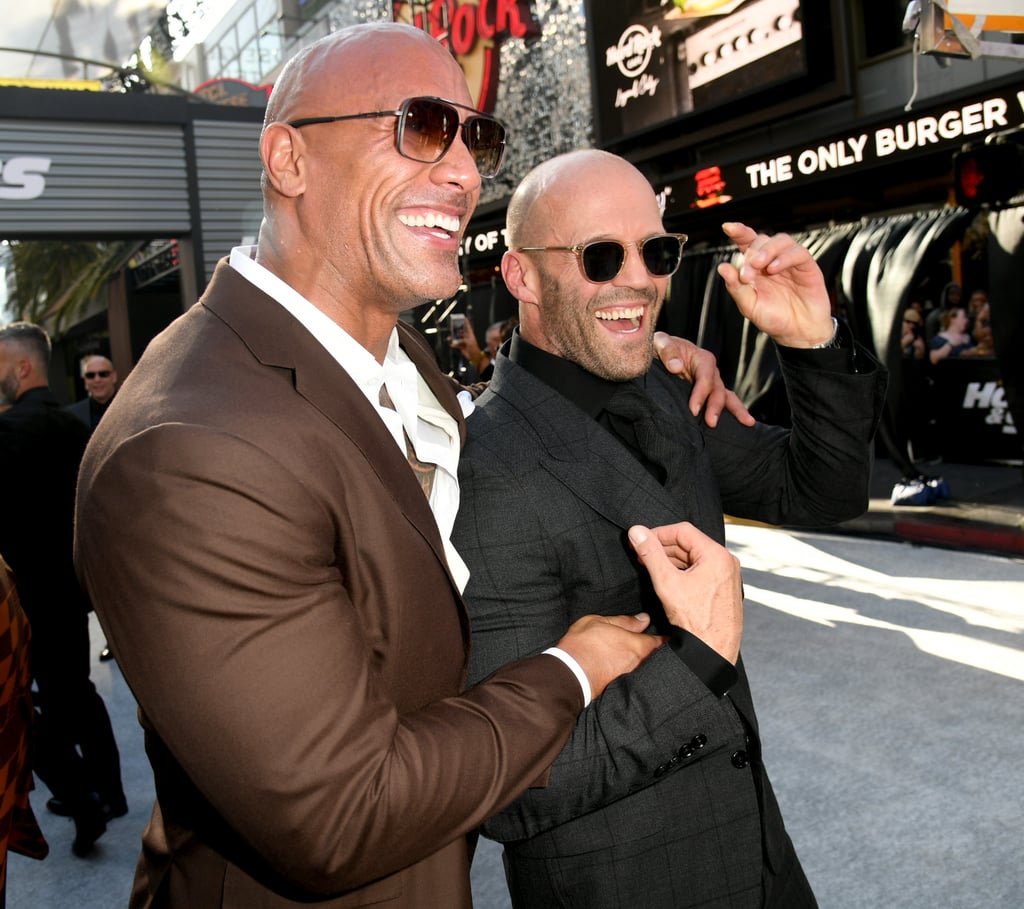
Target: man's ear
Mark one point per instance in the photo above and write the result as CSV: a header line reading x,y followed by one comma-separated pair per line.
x,y
520,277
281,148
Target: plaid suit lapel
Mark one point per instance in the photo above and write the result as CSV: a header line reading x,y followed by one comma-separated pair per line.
x,y
582,455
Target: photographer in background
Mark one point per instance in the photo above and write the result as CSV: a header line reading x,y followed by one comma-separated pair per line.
x,y
466,343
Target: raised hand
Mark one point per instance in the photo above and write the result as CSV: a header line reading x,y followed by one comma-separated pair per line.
x,y
779,287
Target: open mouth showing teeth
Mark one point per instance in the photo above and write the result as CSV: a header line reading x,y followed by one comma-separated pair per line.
x,y
432,220
623,320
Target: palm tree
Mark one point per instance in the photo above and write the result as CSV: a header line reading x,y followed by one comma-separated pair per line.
x,y
56,280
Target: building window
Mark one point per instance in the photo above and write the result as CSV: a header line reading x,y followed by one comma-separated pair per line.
x,y
878,28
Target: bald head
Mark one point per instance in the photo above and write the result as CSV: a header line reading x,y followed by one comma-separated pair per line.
x,y
352,70
549,196
356,66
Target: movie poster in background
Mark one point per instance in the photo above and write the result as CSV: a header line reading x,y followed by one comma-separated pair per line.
x,y
657,60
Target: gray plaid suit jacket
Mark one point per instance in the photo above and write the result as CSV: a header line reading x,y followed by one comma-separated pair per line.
x,y
660,798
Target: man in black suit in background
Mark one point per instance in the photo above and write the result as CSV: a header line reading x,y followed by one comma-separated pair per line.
x,y
660,799
41,447
100,380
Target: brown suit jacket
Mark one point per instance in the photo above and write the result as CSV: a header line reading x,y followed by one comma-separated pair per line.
x,y
270,575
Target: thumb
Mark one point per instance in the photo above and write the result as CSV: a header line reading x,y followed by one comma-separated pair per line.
x,y
674,363
641,539
651,553
636,622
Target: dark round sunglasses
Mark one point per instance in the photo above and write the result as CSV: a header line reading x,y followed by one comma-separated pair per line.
x,y
602,260
426,129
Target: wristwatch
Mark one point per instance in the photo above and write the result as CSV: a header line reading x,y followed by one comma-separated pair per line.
x,y
832,343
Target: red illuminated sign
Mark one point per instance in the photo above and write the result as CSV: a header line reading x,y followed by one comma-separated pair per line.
x,y
710,188
472,30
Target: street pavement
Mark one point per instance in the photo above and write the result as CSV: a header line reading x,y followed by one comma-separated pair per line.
x,y
889,684
983,510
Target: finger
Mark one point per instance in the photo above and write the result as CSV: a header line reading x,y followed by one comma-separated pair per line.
x,y
672,546
649,541
706,380
711,395
739,233
776,248
682,536
735,406
742,293
642,539
652,557
636,622
666,346
730,275
757,265
791,258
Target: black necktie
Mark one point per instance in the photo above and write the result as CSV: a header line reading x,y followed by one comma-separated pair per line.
x,y
633,417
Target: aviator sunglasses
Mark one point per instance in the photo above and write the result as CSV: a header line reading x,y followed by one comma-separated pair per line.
x,y
426,129
602,260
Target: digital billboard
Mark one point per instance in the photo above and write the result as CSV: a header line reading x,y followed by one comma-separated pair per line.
x,y
948,127
659,60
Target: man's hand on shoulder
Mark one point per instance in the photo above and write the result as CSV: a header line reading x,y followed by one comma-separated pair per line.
x,y
699,366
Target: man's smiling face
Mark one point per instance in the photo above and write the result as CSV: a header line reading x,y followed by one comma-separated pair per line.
x,y
606,328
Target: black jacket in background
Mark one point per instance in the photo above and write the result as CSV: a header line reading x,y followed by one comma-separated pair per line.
x,y
41,447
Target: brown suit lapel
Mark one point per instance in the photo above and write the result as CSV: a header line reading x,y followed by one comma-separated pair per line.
x,y
279,341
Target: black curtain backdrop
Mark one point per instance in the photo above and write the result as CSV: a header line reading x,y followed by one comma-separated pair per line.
x,y
695,294
906,245
758,379
1006,301
871,269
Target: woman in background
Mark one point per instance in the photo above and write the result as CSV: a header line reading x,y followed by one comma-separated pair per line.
x,y
953,340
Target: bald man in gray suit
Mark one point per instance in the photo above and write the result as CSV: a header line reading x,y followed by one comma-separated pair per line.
x,y
660,798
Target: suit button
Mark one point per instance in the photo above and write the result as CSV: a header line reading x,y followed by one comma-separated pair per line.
x,y
740,760
685,752
661,770
699,741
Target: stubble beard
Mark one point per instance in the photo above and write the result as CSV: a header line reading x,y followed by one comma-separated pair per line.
x,y
8,389
572,326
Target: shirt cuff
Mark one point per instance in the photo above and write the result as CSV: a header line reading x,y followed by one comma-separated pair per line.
x,y
840,358
716,672
577,671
